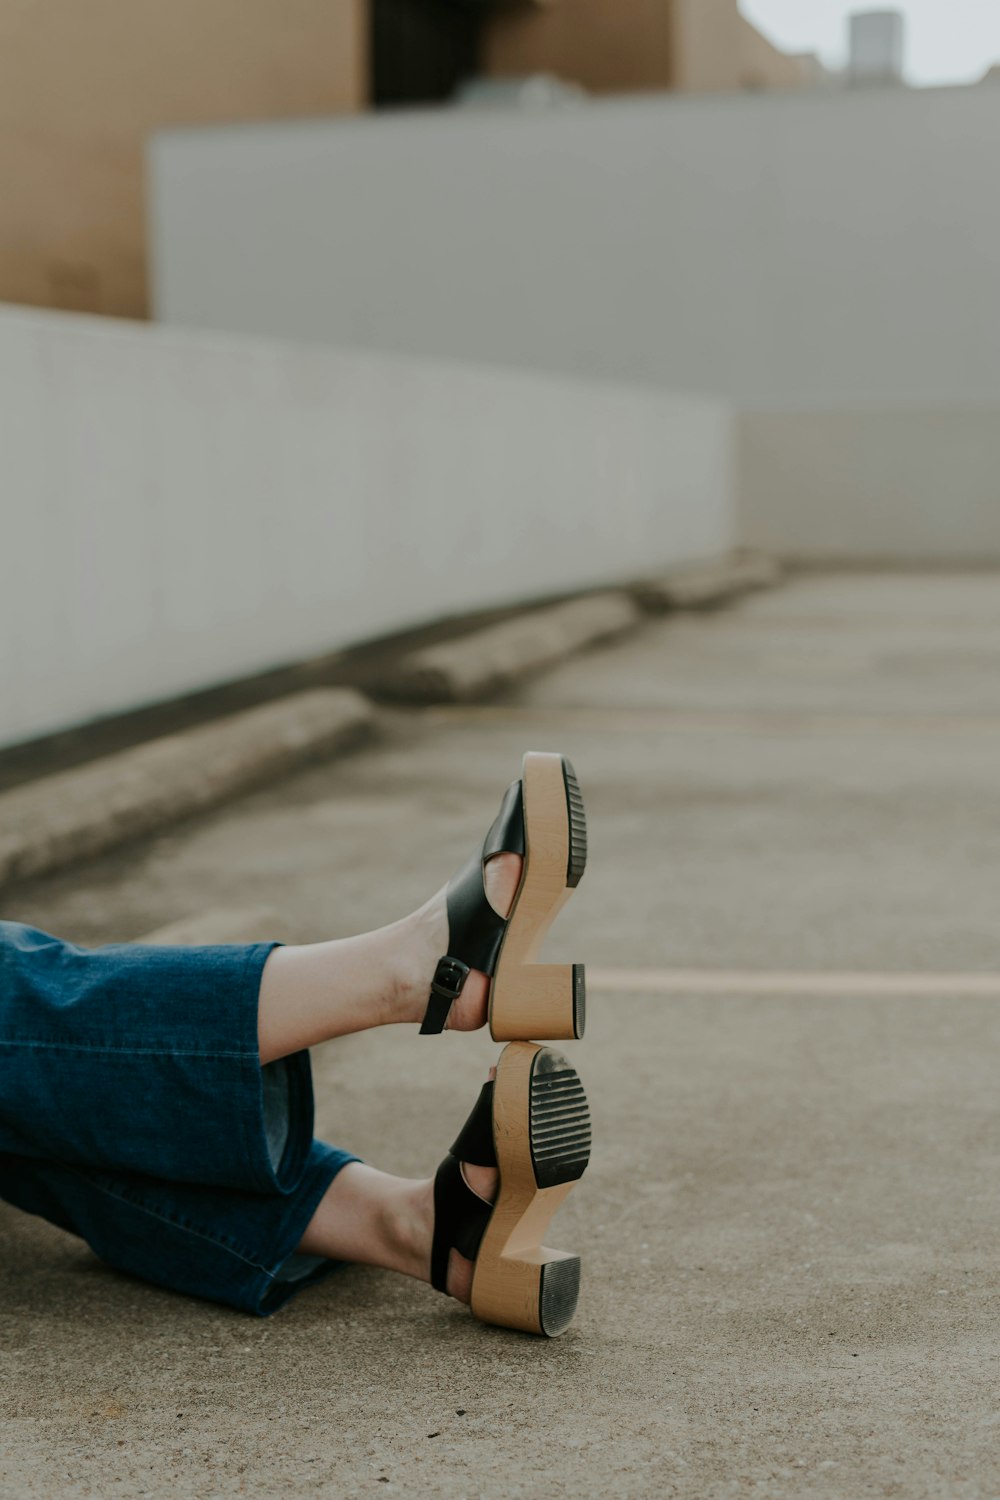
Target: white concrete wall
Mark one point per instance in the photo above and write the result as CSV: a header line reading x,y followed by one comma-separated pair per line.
x,y
768,247
179,509
873,481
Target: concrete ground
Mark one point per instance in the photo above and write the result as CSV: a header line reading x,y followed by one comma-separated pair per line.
x,y
791,1224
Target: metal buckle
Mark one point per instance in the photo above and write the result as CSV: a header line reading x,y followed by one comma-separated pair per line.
x,y
449,977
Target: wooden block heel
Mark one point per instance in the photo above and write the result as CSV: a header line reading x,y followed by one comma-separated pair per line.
x,y
547,1000
527,998
542,820
541,1129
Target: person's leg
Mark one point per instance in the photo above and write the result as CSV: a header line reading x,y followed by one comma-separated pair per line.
x,y
199,1058
238,1248
209,1044
143,1059
312,993
250,1250
198,1055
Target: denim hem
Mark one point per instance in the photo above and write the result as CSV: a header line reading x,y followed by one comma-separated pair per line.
x,y
271,1291
222,1245
135,1113
283,1177
145,1060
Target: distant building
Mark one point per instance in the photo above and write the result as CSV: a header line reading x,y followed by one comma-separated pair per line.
x,y
84,85
632,45
875,49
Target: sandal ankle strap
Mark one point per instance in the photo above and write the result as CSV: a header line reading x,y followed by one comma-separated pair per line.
x,y
446,986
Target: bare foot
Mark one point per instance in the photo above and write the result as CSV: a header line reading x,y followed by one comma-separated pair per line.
x,y
380,1220
427,941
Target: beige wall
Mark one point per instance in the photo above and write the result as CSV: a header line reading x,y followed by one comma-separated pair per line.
x,y
695,45
707,44
763,66
84,82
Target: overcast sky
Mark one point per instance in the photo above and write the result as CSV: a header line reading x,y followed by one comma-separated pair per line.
x,y
947,41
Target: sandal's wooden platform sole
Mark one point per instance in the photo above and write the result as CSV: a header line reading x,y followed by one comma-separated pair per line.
x,y
528,999
541,1127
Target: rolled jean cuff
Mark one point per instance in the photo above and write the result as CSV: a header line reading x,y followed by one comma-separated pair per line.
x,y
145,1060
226,1246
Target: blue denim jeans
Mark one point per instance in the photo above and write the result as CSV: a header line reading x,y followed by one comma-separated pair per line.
x,y
134,1112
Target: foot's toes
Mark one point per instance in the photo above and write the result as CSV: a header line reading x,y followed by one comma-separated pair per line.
x,y
485,1182
501,878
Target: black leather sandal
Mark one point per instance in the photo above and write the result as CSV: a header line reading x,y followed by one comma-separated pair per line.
x,y
541,818
533,1124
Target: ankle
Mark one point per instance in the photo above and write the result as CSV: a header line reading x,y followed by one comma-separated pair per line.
x,y
394,973
408,1226
416,943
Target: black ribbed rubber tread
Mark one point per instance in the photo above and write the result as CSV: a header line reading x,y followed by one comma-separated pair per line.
x,y
559,1121
579,1000
558,1294
577,861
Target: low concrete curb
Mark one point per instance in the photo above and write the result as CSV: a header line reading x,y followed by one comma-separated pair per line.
x,y
238,924
78,814
707,585
487,660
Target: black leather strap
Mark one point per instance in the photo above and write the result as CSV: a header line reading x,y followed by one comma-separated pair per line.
x,y
506,835
446,986
460,1220
474,1142
475,930
460,1215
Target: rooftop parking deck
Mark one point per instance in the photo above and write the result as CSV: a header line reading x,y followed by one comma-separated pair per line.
x,y
791,1224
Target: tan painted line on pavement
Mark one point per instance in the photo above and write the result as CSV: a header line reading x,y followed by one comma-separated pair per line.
x,y
903,624
759,721
843,983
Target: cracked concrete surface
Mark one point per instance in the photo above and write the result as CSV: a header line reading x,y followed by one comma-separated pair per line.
x,y
790,1224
